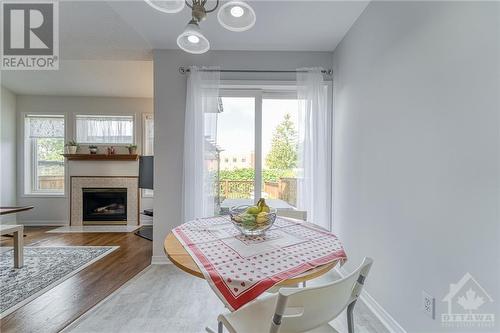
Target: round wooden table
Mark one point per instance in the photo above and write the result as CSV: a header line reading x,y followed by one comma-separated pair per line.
x,y
182,259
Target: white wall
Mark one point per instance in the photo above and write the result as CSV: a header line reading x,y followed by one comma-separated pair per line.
x,y
8,153
170,98
55,210
417,151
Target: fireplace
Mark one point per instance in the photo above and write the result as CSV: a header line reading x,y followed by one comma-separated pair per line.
x,y
104,205
95,187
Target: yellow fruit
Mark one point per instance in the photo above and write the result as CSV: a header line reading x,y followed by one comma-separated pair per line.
x,y
262,218
263,206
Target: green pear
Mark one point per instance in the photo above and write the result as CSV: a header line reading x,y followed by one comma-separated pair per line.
x,y
254,210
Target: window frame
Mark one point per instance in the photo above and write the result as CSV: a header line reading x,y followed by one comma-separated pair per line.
x,y
28,153
110,114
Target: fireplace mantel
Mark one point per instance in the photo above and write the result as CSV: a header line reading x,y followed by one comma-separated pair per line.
x,y
101,157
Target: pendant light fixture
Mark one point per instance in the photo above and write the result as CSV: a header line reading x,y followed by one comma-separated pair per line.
x,y
233,15
236,16
167,6
192,39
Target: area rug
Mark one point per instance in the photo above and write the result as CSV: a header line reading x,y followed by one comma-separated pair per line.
x,y
44,268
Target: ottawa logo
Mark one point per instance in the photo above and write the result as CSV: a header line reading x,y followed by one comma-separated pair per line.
x,y
466,299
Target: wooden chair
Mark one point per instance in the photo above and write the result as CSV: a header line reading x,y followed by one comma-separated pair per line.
x,y
295,310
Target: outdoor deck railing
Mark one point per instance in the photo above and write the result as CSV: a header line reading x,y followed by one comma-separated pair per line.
x,y
284,189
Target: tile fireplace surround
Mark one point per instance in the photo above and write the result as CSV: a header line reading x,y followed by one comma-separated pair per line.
x,y
80,182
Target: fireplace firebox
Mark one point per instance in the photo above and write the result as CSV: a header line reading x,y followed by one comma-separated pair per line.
x,y
104,205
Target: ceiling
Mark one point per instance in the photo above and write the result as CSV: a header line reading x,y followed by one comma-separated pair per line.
x,y
85,78
107,44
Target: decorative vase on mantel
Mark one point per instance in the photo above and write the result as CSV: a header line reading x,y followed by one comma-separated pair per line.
x,y
71,147
93,149
132,149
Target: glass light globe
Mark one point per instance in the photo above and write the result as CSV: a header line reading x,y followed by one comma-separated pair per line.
x,y
167,6
236,16
192,39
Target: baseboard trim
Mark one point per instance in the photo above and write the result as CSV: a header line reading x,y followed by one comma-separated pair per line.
x,y
385,318
160,260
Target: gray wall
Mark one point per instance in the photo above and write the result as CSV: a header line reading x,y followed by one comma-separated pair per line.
x,y
55,210
8,153
417,151
170,99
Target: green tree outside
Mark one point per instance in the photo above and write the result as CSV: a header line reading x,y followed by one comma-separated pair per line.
x,y
283,153
50,149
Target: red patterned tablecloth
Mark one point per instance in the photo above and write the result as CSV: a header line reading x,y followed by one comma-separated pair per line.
x,y
240,268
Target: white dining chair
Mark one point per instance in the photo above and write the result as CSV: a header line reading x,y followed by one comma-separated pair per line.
x,y
295,310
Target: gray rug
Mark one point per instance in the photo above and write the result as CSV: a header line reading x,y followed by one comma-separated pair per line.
x,y
44,268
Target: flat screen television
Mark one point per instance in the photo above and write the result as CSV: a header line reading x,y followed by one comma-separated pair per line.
x,y
146,172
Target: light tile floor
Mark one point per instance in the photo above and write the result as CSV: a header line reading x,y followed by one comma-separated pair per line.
x,y
165,299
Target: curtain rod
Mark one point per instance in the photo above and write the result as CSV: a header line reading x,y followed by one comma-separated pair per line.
x,y
184,70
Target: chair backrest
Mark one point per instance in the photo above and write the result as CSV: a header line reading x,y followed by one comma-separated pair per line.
x,y
299,310
294,214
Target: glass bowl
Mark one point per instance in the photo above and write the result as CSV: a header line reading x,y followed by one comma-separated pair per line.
x,y
249,224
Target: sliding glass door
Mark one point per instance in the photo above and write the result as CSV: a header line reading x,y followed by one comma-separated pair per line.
x,y
236,146
280,128
257,140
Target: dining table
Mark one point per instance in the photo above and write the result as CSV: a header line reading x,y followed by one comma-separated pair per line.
x,y
239,268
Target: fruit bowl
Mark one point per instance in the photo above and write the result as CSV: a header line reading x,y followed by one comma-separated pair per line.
x,y
252,224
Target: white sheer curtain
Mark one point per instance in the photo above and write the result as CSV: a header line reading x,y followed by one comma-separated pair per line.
x,y
200,155
104,129
45,126
315,137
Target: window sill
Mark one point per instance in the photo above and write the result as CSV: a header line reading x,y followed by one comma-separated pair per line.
x,y
43,195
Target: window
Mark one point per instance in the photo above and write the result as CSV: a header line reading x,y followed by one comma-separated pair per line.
x,y
148,144
44,144
149,135
104,129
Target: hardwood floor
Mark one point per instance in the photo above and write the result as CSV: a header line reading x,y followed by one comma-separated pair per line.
x,y
61,305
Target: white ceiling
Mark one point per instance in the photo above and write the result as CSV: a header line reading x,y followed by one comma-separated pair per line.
x,y
85,78
106,44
